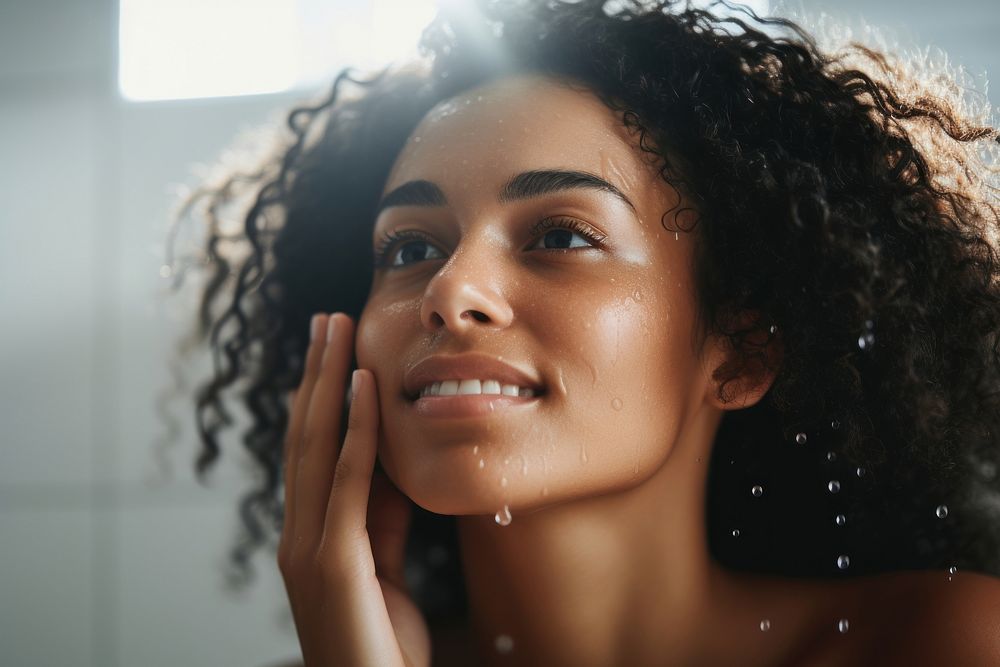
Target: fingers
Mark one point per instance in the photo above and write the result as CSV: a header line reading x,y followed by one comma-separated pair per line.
x,y
321,433
300,406
347,510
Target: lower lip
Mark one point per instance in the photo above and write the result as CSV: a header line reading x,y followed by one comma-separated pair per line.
x,y
474,405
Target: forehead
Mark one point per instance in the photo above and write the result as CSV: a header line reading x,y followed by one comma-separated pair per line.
x,y
485,135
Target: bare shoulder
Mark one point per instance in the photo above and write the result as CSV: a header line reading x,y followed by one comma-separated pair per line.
x,y
946,620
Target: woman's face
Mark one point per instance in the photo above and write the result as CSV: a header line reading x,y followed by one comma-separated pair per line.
x,y
526,249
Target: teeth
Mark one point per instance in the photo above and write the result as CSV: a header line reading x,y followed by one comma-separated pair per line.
x,y
475,387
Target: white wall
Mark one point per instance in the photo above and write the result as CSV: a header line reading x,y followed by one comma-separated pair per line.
x,y
102,562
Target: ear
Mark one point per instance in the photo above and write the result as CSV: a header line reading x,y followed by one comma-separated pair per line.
x,y
739,378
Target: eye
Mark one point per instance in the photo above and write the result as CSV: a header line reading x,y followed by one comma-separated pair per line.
x,y
565,234
402,248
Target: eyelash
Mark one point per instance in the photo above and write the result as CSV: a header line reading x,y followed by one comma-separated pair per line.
x,y
389,241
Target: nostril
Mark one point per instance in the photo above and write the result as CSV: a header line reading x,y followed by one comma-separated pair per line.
x,y
479,317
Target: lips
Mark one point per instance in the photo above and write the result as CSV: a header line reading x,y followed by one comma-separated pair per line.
x,y
468,366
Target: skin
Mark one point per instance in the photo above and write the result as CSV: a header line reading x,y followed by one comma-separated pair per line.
x,y
605,560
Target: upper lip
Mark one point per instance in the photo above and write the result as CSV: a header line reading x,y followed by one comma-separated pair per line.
x,y
469,366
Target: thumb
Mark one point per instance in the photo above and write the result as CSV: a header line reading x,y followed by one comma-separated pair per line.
x,y
389,516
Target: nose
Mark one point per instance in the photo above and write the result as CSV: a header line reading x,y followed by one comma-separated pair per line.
x,y
463,295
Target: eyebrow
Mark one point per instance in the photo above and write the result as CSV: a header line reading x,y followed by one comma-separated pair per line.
x,y
525,185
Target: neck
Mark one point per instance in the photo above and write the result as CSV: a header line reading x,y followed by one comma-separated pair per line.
x,y
613,579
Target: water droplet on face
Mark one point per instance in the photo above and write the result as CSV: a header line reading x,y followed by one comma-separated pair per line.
x,y
843,625
765,625
860,472
482,464
801,438
503,644
941,511
835,424
616,403
757,491
736,533
840,519
843,562
677,237
503,517
475,449
637,295
583,452
831,457
833,486
503,481
524,465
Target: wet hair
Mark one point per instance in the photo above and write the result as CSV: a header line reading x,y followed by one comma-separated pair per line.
x,y
837,197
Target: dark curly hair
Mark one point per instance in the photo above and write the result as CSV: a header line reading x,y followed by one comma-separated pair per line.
x,y
846,203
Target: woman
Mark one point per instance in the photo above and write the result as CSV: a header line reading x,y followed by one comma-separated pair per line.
x,y
686,332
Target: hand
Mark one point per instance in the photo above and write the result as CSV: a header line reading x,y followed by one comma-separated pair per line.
x,y
341,551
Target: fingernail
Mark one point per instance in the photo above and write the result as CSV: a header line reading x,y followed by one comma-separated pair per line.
x,y
355,382
315,326
331,326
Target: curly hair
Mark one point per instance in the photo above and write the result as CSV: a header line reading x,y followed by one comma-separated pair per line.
x,y
838,197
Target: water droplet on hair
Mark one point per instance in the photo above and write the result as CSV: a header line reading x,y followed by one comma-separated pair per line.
x,y
843,562
941,511
860,472
736,533
503,517
831,456
616,403
840,519
988,470
765,625
952,570
866,341
774,328
833,486
869,325
835,424
801,438
482,464
503,644
757,491
843,625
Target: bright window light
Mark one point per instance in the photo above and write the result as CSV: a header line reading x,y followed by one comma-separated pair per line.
x,y
183,49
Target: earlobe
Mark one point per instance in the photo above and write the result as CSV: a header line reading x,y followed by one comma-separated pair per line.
x,y
741,377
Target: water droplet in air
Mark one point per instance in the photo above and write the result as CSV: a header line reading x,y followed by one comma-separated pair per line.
x,y
835,424
616,403
765,625
166,271
843,625
860,472
757,491
834,486
843,562
503,517
736,533
988,470
504,644
831,457
801,438
840,519
941,511
417,140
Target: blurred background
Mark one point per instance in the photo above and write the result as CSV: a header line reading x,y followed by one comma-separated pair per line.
x,y
111,553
